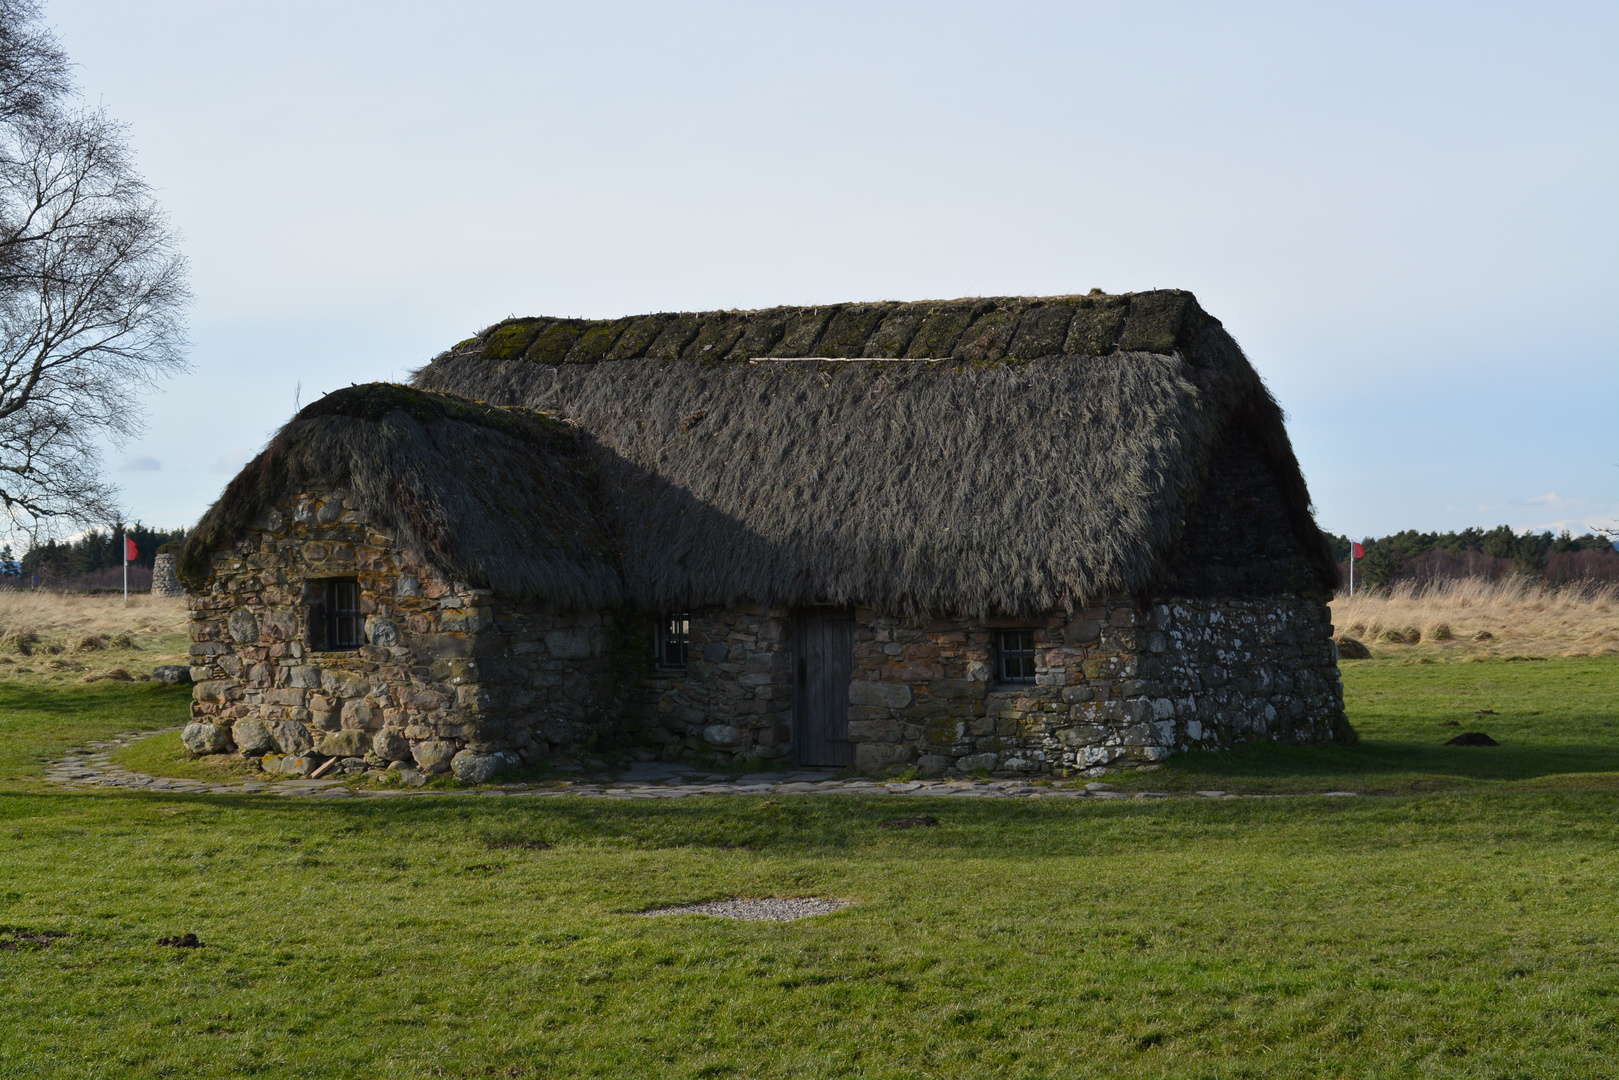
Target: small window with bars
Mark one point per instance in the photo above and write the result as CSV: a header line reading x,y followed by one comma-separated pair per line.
x,y
344,623
1014,656
673,630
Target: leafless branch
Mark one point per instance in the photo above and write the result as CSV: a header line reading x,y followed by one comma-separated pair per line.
x,y
92,287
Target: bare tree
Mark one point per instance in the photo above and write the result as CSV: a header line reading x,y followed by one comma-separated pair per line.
x,y
33,70
92,287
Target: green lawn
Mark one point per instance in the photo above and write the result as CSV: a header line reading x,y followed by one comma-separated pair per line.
x,y
1465,933
38,721
1557,722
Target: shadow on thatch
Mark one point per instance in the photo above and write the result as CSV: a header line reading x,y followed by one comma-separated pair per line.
x,y
625,464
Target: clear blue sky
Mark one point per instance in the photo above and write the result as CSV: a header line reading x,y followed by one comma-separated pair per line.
x,y
1406,213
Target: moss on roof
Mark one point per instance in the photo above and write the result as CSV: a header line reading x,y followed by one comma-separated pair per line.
x,y
989,328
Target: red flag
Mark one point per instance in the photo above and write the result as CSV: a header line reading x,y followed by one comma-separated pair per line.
x,y
1359,552
131,552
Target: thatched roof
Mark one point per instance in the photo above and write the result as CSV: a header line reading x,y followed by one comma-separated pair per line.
x,y
1035,452
496,496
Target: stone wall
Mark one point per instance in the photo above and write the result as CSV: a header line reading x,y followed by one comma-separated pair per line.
x,y
449,678
453,678
734,699
1114,685
1242,670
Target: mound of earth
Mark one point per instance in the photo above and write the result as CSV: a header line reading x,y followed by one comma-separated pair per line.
x,y
1351,649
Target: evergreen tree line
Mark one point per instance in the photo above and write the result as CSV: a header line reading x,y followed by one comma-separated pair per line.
x,y
58,564
1421,558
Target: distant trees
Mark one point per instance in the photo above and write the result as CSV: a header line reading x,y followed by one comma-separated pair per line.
x,y
1380,566
1493,553
56,563
92,287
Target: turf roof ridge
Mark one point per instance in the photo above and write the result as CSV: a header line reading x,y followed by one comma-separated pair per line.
x,y
969,328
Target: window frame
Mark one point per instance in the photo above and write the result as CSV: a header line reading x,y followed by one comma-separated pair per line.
x,y
671,646
1023,657
332,617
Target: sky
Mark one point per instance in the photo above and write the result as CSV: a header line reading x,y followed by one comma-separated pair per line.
x,y
1407,213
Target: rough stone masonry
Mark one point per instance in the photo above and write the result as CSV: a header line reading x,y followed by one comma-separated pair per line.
x,y
453,679
442,682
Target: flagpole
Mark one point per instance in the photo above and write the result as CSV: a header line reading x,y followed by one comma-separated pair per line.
x,y
126,567
1351,568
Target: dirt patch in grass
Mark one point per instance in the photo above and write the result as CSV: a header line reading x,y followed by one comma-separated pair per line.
x,y
921,821
20,939
521,845
181,941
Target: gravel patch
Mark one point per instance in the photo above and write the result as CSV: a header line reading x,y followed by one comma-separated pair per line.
x,y
777,909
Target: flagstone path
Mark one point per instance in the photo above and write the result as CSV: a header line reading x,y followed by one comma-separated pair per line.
x,y
92,766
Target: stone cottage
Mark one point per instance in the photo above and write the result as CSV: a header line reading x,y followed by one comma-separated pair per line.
x,y
1031,536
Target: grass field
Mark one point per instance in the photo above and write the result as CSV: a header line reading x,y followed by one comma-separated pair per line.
x,y
1465,930
1473,617
57,638
40,721
1557,722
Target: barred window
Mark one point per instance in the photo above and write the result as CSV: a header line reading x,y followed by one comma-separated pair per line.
x,y
1014,656
344,622
673,629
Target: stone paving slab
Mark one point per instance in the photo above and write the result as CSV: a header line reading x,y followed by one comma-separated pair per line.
x,y
82,769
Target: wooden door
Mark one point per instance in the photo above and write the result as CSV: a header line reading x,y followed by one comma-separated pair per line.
x,y
823,662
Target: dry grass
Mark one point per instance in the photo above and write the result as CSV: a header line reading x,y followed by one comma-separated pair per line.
x,y
1476,617
67,637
